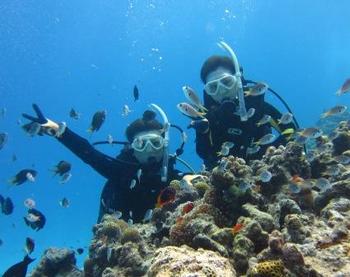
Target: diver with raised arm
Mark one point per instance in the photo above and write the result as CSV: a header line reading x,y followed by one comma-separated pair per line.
x,y
141,170
235,118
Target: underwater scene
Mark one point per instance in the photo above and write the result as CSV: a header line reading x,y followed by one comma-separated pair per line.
x,y
174,138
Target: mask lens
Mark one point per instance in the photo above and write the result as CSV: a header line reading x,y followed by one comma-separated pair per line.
x,y
211,87
228,81
140,143
157,142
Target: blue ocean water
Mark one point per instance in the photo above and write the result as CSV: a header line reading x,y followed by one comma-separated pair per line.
x,y
89,55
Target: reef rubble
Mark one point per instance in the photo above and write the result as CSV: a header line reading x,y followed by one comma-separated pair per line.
x,y
228,222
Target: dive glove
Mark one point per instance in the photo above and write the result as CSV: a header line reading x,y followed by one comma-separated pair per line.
x,y
200,125
47,126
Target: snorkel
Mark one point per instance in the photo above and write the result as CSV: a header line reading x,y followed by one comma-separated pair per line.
x,y
164,169
242,111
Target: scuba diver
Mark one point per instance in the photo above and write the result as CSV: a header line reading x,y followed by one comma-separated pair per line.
x,y
237,120
141,170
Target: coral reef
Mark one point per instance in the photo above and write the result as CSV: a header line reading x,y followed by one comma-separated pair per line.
x,y
230,222
184,261
57,262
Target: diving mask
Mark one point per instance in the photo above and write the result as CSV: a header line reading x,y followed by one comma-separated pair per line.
x,y
147,142
224,83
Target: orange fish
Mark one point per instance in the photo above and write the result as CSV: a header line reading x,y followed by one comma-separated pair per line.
x,y
166,195
236,228
296,179
187,208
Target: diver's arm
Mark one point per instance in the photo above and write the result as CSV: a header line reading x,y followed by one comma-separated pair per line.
x,y
103,164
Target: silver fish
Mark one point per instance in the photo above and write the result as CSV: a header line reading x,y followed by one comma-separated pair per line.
x,y
323,184
189,110
265,176
234,131
117,214
192,96
130,214
228,144
148,215
65,178
250,112
30,177
286,118
257,89
342,159
336,110
32,128
294,188
109,253
132,183
110,139
224,151
265,119
3,139
252,150
130,222
311,132
138,174
126,110
344,88
267,139
332,170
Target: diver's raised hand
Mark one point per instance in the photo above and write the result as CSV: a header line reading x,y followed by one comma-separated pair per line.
x,y
200,125
48,126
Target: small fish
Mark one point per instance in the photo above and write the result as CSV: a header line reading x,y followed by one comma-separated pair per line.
x,y
288,132
148,215
3,112
3,139
223,164
1,242
189,110
14,158
64,202
265,176
109,253
32,218
132,184
200,125
311,132
300,139
166,195
74,114
253,149
130,214
35,219
136,93
342,159
29,203
30,177
286,118
294,188
250,112
323,184
110,139
257,89
237,227
23,176
244,185
311,155
234,131
187,208
224,151
65,178
29,246
6,205
19,269
332,170
266,139
328,146
32,128
80,251
97,120
228,144
130,222
62,168
344,88
117,214
126,110
339,109
138,174
192,96
264,120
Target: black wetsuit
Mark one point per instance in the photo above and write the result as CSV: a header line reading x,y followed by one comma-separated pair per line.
x,y
116,194
222,117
